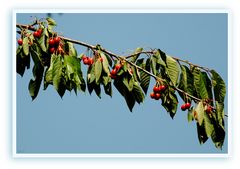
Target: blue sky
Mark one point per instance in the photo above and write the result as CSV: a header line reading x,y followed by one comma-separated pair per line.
x,y
86,124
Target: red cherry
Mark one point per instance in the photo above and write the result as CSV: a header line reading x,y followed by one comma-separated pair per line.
x,y
118,66
156,89
152,95
114,72
187,105
57,40
36,34
52,50
157,96
84,57
162,88
90,61
20,41
85,61
183,107
101,59
51,42
40,31
209,109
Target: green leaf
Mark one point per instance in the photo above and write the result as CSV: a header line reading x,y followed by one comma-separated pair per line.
x,y
219,86
202,84
202,136
172,70
208,125
23,62
51,21
108,89
42,43
98,70
105,63
38,69
71,49
58,82
218,136
186,82
137,92
200,112
129,98
170,103
153,63
145,78
220,113
25,46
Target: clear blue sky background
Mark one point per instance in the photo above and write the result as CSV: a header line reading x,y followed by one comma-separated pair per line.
x,y
86,124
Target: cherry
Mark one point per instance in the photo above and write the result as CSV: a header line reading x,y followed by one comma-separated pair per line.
x,y
40,31
36,34
157,96
101,59
114,72
183,107
85,60
152,95
84,57
162,88
20,41
57,40
156,89
209,109
187,105
118,66
52,50
90,61
51,42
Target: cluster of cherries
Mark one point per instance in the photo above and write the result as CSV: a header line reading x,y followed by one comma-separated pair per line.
x,y
186,106
113,73
87,60
157,90
37,33
55,46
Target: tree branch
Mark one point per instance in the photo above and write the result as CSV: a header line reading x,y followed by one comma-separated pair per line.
x,y
30,27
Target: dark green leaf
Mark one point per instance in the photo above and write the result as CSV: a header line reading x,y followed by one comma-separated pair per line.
x,y
186,82
219,87
208,125
98,70
172,70
129,98
145,78
105,63
58,81
202,136
170,103
137,92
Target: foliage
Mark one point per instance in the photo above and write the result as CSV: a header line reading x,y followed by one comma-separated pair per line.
x,y
57,63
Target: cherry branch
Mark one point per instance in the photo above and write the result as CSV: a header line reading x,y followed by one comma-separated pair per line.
x,y
93,48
